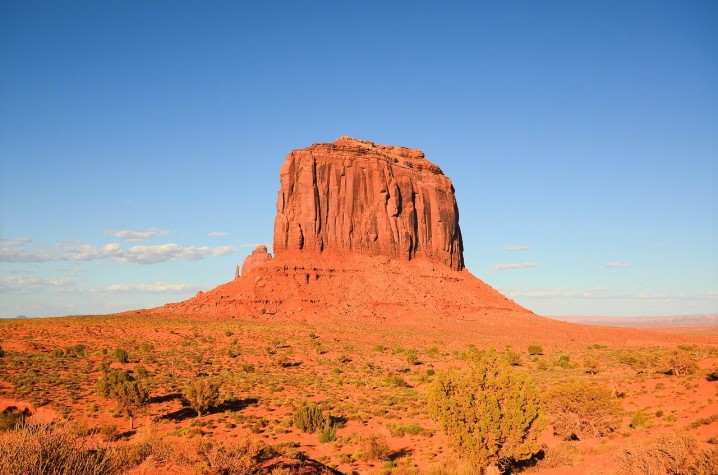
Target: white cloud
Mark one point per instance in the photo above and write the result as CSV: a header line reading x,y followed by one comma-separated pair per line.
x,y
21,283
217,234
172,251
518,248
17,252
150,288
603,293
616,265
511,265
135,236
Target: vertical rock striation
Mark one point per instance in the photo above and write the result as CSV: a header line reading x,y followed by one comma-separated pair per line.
x,y
355,196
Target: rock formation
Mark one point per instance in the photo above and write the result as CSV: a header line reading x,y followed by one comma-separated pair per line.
x,y
356,196
362,230
258,256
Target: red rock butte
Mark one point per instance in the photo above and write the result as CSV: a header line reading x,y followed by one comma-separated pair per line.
x,y
361,230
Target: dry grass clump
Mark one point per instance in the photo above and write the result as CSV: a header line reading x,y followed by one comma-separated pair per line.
x,y
580,410
309,417
669,454
374,448
564,454
46,448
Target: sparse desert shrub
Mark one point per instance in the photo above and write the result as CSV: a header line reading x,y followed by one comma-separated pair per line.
x,y
12,418
396,381
644,361
452,467
374,448
668,454
712,376
680,363
512,358
535,350
411,357
309,417
638,419
2,352
400,430
491,414
564,361
328,433
141,371
53,449
583,410
564,454
130,394
201,394
147,443
109,433
120,355
591,365
75,351
237,458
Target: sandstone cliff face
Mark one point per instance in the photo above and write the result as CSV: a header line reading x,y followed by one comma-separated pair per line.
x,y
356,196
258,256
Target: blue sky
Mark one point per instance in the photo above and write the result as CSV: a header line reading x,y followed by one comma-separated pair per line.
x,y
140,142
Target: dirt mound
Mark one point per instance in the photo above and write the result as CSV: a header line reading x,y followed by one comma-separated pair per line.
x,y
313,283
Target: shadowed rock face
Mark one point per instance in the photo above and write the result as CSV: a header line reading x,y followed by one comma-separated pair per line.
x,y
356,196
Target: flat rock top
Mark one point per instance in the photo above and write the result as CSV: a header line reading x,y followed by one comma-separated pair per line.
x,y
398,156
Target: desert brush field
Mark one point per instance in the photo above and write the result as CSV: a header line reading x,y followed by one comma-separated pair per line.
x,y
179,394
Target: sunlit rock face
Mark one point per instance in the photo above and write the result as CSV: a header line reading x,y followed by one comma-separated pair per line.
x,y
356,196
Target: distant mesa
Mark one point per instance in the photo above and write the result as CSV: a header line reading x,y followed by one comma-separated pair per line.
x,y
361,230
21,317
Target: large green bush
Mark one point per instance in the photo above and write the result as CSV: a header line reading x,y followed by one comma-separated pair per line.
x,y
129,394
581,410
492,415
201,394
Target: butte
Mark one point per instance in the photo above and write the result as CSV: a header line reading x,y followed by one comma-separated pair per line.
x,y
361,231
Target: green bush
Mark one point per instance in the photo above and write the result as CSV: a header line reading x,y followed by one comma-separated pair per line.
x,y
583,410
535,350
309,417
680,363
120,355
328,433
564,361
639,419
12,418
491,414
201,394
129,394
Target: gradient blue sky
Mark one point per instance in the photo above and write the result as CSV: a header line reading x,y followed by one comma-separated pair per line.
x,y
141,141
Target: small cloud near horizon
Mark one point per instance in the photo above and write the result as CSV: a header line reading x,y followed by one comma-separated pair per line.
x,y
154,287
135,236
616,265
217,234
507,266
518,248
